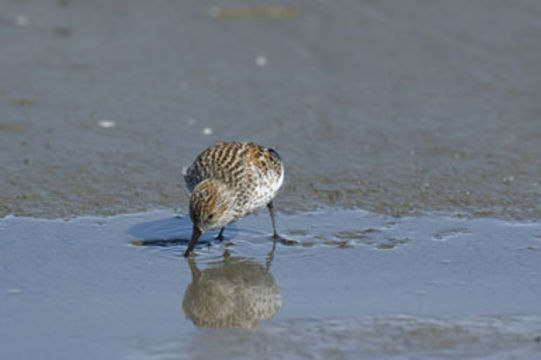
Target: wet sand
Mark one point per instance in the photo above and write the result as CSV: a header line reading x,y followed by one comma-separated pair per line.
x,y
354,285
395,107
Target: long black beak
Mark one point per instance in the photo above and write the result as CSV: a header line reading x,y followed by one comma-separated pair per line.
x,y
195,236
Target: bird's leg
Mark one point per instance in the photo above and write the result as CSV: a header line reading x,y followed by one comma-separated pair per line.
x,y
271,211
220,234
276,236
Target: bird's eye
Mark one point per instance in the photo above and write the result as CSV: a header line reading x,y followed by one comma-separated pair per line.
x,y
210,217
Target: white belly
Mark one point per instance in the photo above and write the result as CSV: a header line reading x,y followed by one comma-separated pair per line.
x,y
266,190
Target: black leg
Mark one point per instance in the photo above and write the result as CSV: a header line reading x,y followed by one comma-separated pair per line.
x,y
276,236
271,210
221,234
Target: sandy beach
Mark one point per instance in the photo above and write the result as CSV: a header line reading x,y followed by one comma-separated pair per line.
x,y
392,107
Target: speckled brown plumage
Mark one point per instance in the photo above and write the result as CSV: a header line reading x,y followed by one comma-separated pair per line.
x,y
230,180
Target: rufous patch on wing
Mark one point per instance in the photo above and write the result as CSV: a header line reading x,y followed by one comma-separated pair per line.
x,y
257,157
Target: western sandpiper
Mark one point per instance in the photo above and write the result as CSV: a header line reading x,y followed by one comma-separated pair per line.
x,y
228,181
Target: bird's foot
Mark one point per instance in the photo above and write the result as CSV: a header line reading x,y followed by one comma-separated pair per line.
x,y
284,241
219,237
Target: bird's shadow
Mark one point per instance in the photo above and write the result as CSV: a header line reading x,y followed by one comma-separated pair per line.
x,y
173,231
177,230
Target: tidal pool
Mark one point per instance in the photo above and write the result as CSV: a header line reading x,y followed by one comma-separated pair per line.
x,y
347,284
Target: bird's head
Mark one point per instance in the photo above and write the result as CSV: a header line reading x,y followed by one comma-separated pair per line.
x,y
211,207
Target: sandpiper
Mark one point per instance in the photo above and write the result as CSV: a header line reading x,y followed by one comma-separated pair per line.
x,y
228,181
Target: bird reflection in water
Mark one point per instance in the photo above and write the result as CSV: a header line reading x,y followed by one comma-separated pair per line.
x,y
237,293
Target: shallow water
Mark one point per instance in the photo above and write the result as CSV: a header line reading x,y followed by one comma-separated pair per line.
x,y
348,284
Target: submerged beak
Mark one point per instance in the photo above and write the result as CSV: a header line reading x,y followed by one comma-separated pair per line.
x,y
195,236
